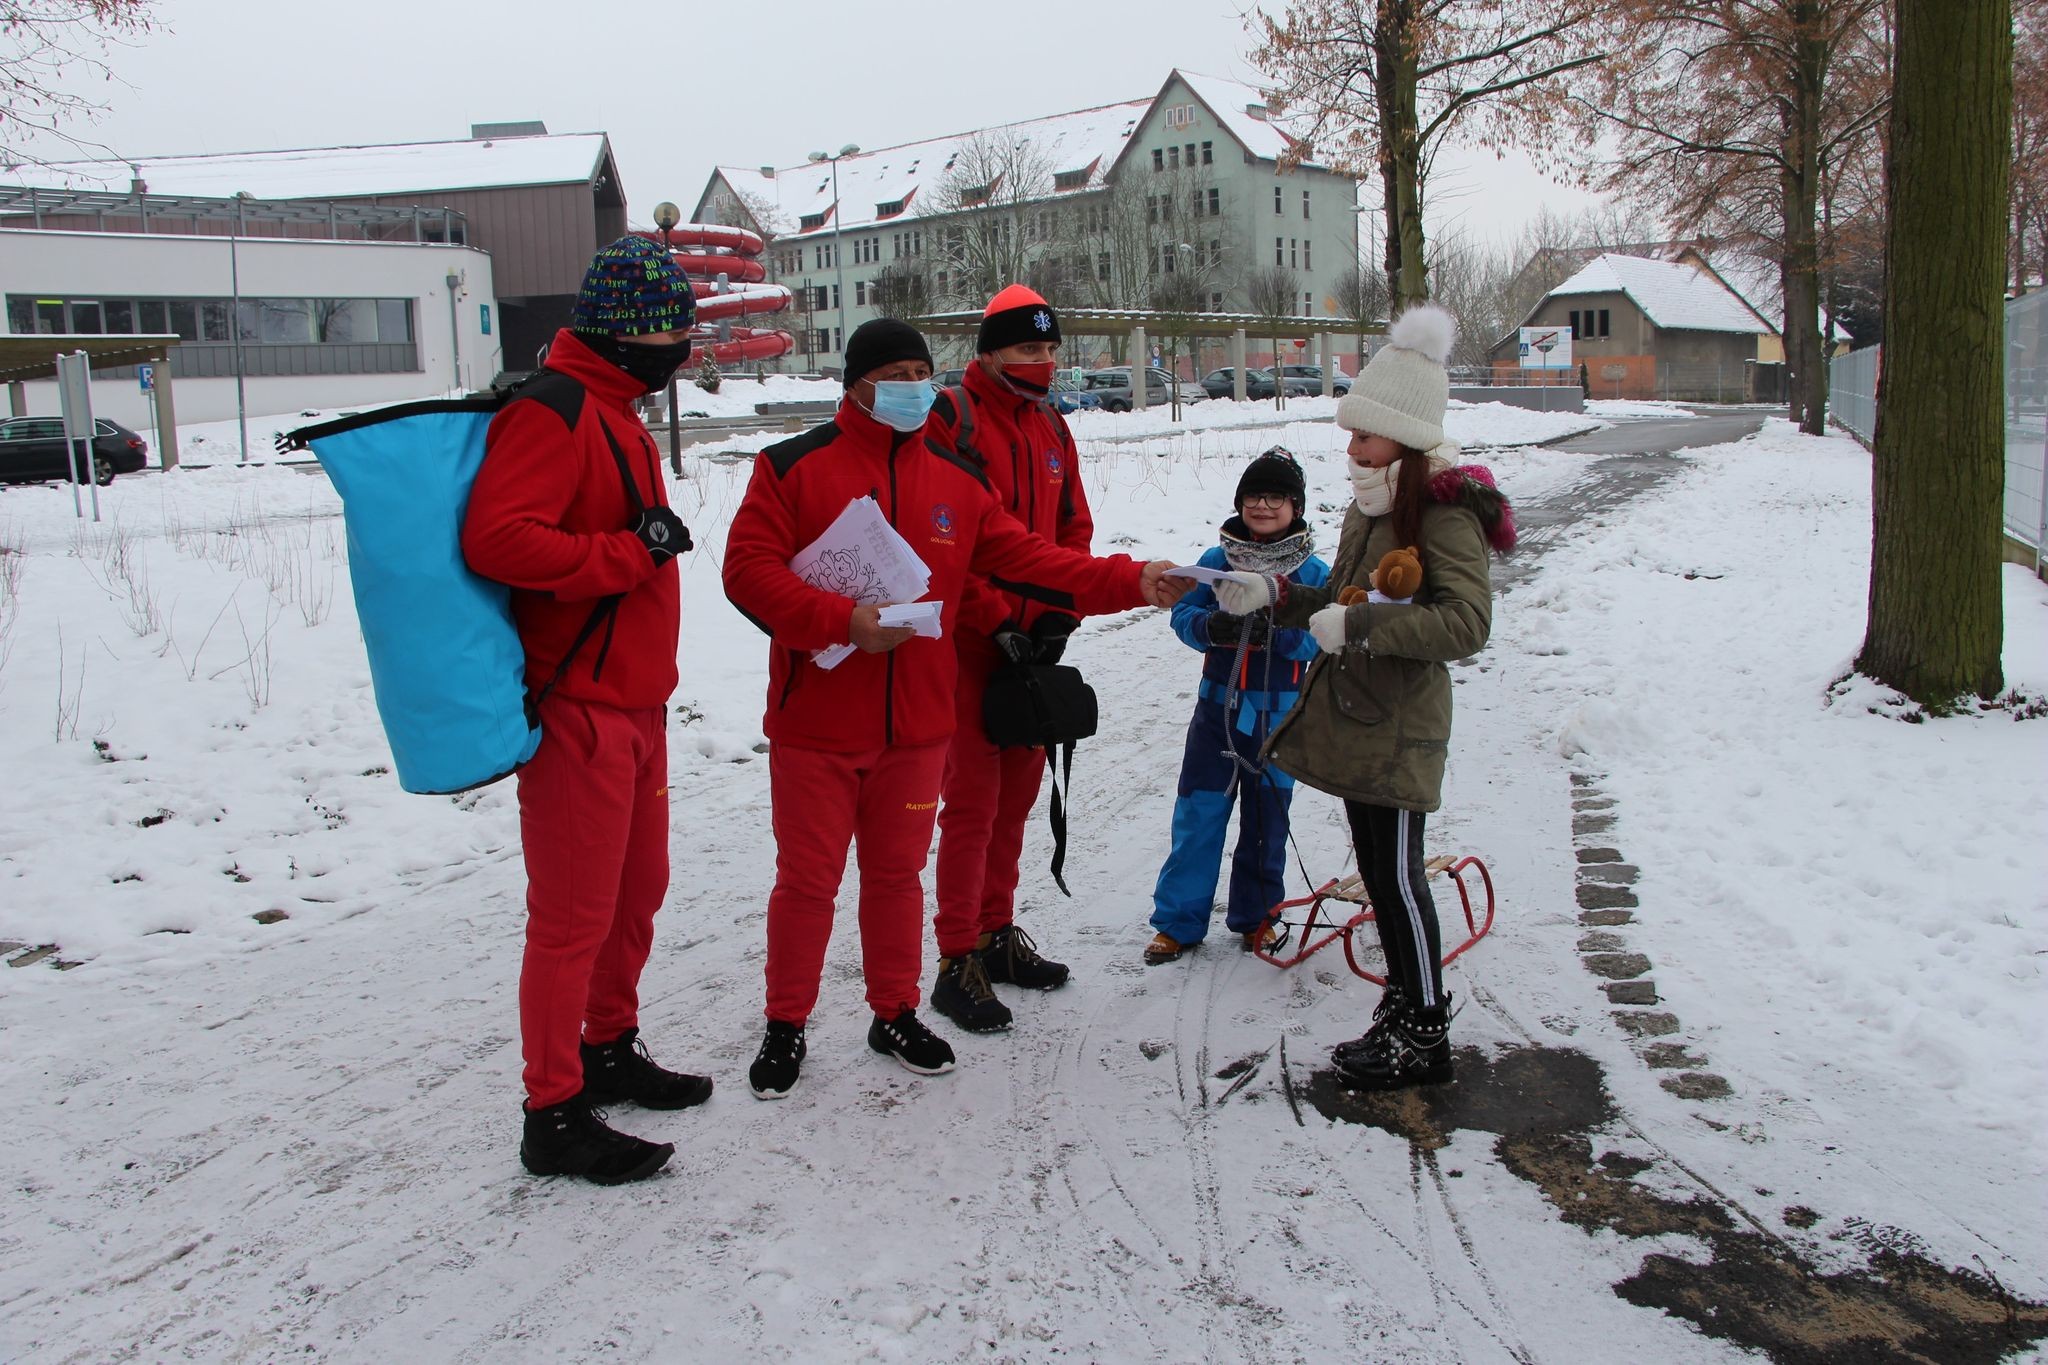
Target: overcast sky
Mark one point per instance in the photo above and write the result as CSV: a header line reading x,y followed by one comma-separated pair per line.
x,y
683,85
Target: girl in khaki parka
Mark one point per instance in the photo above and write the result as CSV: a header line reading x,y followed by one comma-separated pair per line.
x,y
1373,725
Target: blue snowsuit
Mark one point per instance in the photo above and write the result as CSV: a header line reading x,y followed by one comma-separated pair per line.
x,y
1271,680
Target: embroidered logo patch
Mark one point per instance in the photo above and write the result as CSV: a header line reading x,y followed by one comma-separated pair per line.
x,y
1053,465
942,519
1042,320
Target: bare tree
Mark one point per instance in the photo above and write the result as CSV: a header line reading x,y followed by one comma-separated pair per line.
x,y
903,289
990,221
1728,116
49,50
1935,629
1379,84
1274,294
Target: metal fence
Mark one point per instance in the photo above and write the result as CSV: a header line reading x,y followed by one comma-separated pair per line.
x,y
1852,392
2026,420
1852,405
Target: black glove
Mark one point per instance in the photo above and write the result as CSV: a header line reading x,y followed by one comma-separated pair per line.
x,y
1013,644
1049,633
1226,630
663,533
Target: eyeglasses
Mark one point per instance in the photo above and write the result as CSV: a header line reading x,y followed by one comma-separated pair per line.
x,y
1275,500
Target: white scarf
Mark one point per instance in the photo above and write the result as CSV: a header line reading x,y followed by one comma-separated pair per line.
x,y
1373,489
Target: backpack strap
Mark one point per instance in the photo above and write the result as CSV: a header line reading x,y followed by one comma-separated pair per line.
x,y
1055,758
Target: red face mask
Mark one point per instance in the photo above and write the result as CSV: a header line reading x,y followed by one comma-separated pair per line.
x,y
1034,379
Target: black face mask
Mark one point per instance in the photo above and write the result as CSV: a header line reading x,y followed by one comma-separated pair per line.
x,y
652,365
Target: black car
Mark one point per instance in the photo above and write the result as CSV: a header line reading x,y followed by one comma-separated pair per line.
x,y
1223,383
33,448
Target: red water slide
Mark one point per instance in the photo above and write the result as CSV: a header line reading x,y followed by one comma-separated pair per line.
x,y
705,251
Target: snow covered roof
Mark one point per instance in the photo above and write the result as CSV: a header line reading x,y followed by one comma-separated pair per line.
x,y
1671,295
1078,148
1756,280
338,172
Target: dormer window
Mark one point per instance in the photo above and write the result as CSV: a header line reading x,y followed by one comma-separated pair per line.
x,y
810,222
890,209
977,195
1069,180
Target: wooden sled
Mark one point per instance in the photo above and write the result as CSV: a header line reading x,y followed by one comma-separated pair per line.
x,y
1338,907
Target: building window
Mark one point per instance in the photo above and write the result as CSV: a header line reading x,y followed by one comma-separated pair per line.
x,y
890,209
1279,251
941,282
280,335
835,302
1173,158
1304,204
1306,247
1603,322
835,338
1277,207
1208,153
1215,303
1215,251
1190,150
1158,159
1215,203
1293,254
1102,266
860,292
1166,255
1308,304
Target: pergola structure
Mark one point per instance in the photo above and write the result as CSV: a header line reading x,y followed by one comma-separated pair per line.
x,y
1138,323
30,356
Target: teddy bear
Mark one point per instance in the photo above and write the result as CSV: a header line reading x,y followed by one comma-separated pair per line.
x,y
1395,580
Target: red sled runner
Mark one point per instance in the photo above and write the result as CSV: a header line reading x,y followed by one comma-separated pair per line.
x,y
1324,915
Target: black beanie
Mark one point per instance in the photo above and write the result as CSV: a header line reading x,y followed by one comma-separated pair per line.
x,y
1275,471
1017,314
882,341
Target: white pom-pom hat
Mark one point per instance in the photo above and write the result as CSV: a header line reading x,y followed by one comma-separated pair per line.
x,y
1402,392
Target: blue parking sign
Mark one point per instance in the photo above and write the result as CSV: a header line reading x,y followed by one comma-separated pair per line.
x,y
145,375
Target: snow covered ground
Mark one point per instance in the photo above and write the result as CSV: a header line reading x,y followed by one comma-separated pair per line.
x,y
1634,407
274,1108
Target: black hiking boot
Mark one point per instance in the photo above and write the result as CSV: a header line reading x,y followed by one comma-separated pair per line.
x,y
778,1063
572,1138
621,1072
1414,1050
962,994
1009,955
915,1047
1392,1001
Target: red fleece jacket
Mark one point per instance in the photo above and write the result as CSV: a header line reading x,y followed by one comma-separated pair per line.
x,y
549,515
940,503
1028,454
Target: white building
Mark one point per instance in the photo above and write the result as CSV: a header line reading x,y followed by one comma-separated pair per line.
x,y
321,323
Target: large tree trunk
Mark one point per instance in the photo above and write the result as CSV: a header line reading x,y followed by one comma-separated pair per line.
x,y
1398,51
1935,631
1802,208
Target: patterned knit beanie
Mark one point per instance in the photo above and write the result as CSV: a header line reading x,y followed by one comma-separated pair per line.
x,y
633,287
1014,316
1402,392
1275,471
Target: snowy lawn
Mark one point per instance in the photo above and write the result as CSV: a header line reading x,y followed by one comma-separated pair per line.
x,y
274,1108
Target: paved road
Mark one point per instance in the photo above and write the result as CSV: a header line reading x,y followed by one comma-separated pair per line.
x,y
1662,435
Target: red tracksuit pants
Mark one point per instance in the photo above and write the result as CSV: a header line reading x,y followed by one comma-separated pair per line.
x,y
882,801
593,820
988,794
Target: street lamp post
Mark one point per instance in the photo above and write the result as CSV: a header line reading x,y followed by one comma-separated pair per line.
x,y
666,216
838,245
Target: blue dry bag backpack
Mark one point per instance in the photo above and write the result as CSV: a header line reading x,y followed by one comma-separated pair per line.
x,y
446,663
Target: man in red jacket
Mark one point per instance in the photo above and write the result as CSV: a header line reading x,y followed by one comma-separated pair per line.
x,y
988,791
856,752
570,510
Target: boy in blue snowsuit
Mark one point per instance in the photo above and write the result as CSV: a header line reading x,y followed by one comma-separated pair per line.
x,y
1267,535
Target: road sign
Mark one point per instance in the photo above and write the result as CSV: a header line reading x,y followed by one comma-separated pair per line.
x,y
145,375
1546,348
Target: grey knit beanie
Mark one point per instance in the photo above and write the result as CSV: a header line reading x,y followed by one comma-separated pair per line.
x,y
1402,391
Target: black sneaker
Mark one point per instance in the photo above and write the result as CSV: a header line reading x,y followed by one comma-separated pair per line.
x,y
621,1072
572,1138
1415,1049
962,994
778,1063
913,1045
1392,1001
1009,955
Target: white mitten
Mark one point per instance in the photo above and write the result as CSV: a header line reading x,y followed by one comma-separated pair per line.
x,y
1327,625
1241,593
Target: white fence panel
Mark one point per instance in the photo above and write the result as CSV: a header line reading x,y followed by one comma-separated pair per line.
x,y
1852,392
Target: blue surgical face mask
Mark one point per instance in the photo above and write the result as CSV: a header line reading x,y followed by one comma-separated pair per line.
x,y
903,404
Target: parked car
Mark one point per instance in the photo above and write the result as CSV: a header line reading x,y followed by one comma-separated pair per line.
x,y
33,448
1073,395
1223,383
1113,386
946,379
1260,384
1314,375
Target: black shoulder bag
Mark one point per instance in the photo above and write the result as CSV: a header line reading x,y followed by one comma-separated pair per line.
x,y
1047,706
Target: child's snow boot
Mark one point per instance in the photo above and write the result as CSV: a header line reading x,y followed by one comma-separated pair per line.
x,y
1414,1050
621,1072
1392,1001
572,1138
